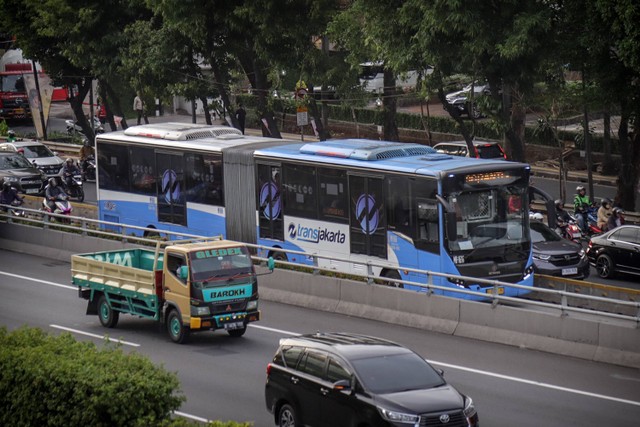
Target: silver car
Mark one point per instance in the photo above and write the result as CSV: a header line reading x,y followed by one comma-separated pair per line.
x,y
38,154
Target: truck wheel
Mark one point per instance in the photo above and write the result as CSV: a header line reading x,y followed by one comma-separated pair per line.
x,y
177,331
237,333
108,317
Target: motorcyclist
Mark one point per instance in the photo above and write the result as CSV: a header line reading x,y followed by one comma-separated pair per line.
x,y
69,170
616,219
11,136
581,204
604,212
562,216
86,153
52,193
9,196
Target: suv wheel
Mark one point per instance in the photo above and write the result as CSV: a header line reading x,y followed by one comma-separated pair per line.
x,y
287,416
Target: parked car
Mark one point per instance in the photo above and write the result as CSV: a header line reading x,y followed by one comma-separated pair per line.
x,y
343,379
486,149
460,99
20,173
616,251
555,256
37,153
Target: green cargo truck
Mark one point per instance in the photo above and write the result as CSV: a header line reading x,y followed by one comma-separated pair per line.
x,y
189,286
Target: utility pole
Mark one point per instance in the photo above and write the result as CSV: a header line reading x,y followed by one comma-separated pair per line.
x,y
41,112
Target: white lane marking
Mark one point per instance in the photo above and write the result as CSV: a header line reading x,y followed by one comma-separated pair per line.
x,y
536,383
102,337
447,365
46,282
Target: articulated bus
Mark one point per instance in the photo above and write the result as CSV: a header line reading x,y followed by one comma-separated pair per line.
x,y
400,205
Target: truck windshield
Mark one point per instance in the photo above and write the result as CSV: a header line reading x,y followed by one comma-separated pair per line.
x,y
209,267
12,83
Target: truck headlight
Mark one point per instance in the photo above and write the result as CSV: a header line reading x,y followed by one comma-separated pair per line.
x,y
252,305
398,417
200,311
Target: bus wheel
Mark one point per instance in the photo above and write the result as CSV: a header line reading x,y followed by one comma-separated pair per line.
x,y
278,256
176,330
392,274
149,233
237,333
107,315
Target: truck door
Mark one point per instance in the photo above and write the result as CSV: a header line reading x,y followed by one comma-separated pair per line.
x,y
176,290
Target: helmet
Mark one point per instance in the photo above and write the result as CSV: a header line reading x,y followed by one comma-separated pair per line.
x,y
11,133
580,188
52,182
605,201
559,203
536,216
6,186
617,211
69,160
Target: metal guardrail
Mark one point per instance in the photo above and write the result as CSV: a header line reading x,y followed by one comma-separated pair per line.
x,y
86,226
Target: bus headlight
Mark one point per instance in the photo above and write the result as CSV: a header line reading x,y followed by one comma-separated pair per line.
x,y
200,311
252,305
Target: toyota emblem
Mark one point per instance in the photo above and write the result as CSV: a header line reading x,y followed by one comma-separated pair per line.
x,y
444,418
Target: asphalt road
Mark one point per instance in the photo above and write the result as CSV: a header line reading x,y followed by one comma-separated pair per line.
x,y
223,378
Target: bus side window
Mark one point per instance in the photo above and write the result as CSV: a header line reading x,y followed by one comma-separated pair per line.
x,y
399,213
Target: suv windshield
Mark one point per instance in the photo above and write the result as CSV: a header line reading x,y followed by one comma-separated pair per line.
x,y
211,266
396,373
14,161
35,151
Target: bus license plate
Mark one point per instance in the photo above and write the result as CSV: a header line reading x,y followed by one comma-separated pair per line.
x,y
569,271
233,325
490,291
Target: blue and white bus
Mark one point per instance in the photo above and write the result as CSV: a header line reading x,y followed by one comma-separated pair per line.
x,y
403,206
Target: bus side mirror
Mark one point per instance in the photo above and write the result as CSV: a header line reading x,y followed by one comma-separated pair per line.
x,y
271,264
452,226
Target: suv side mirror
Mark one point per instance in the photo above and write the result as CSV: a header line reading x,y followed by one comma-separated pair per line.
x,y
342,385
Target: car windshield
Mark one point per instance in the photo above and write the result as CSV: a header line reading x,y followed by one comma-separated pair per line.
x,y
489,151
396,373
35,151
211,266
542,233
15,161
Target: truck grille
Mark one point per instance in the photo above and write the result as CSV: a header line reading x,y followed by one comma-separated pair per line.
x,y
456,419
222,308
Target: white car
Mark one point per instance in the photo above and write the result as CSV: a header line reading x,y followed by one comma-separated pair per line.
x,y
38,154
460,99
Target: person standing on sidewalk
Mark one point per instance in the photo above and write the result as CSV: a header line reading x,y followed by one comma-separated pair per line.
x,y
241,115
138,106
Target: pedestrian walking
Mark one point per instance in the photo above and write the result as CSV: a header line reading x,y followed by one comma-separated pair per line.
x,y
138,106
241,115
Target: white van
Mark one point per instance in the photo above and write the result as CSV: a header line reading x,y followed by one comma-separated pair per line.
x,y
372,77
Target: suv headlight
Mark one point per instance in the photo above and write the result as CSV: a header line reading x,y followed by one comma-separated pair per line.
x,y
541,256
11,178
469,408
398,417
252,305
581,253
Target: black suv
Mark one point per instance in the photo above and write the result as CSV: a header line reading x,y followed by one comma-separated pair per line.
x,y
20,173
341,379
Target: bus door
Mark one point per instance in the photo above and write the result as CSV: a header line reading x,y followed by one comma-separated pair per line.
x,y
368,223
170,188
270,216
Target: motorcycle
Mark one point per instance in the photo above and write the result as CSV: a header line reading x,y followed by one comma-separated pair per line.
x,y
12,209
592,219
569,229
74,128
62,207
88,167
75,188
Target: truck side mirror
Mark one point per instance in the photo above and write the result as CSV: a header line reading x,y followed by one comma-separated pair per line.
x,y
271,263
183,274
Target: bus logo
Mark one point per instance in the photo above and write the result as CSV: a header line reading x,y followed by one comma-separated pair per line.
x,y
170,186
315,234
271,205
367,214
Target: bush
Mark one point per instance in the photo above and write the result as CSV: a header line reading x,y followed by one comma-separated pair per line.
x,y
57,381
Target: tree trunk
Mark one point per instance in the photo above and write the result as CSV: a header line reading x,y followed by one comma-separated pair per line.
x,y
630,153
76,105
390,107
608,166
205,107
515,131
115,103
455,115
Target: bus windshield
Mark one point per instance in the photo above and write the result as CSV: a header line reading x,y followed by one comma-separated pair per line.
x,y
210,267
491,224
